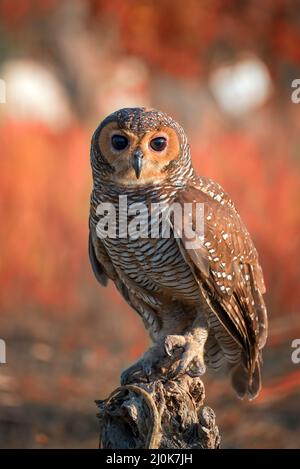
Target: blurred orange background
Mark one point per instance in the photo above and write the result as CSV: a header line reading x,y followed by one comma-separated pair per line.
x,y
224,70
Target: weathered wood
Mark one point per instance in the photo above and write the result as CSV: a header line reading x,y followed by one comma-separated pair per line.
x,y
163,413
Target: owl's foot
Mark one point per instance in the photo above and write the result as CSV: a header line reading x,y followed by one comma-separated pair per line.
x,y
192,359
143,369
172,357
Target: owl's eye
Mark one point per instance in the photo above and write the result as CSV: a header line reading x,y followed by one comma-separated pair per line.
x,y
119,142
158,143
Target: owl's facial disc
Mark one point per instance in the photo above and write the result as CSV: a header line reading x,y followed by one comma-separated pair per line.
x,y
138,159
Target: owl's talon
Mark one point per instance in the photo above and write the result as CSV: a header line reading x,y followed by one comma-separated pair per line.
x,y
196,369
129,375
125,377
191,361
173,341
143,368
147,369
168,349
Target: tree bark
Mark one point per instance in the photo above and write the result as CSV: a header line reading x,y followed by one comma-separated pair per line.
x,y
163,413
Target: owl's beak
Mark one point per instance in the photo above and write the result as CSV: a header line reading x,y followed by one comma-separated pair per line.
x,y
137,162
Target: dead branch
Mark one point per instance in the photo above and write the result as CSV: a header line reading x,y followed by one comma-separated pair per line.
x,y
163,413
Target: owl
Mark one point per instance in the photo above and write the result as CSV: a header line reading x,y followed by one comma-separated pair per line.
x,y
203,302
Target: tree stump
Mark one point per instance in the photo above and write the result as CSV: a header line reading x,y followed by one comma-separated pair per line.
x,y
163,413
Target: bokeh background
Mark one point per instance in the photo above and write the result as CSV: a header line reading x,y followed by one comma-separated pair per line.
x,y
224,70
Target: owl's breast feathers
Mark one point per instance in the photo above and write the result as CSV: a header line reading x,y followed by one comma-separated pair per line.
x,y
225,267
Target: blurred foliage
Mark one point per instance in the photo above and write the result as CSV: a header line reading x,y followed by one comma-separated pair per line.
x,y
44,185
184,38
187,38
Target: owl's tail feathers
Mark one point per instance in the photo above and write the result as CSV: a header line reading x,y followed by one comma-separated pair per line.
x,y
245,382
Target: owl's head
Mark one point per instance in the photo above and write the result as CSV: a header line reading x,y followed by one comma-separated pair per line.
x,y
139,146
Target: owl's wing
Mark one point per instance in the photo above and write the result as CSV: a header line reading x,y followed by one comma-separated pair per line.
x,y
97,267
226,267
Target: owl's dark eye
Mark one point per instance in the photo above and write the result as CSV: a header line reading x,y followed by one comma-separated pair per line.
x,y
158,143
119,142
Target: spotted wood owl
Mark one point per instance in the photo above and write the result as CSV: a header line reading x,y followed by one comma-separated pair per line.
x,y
206,300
